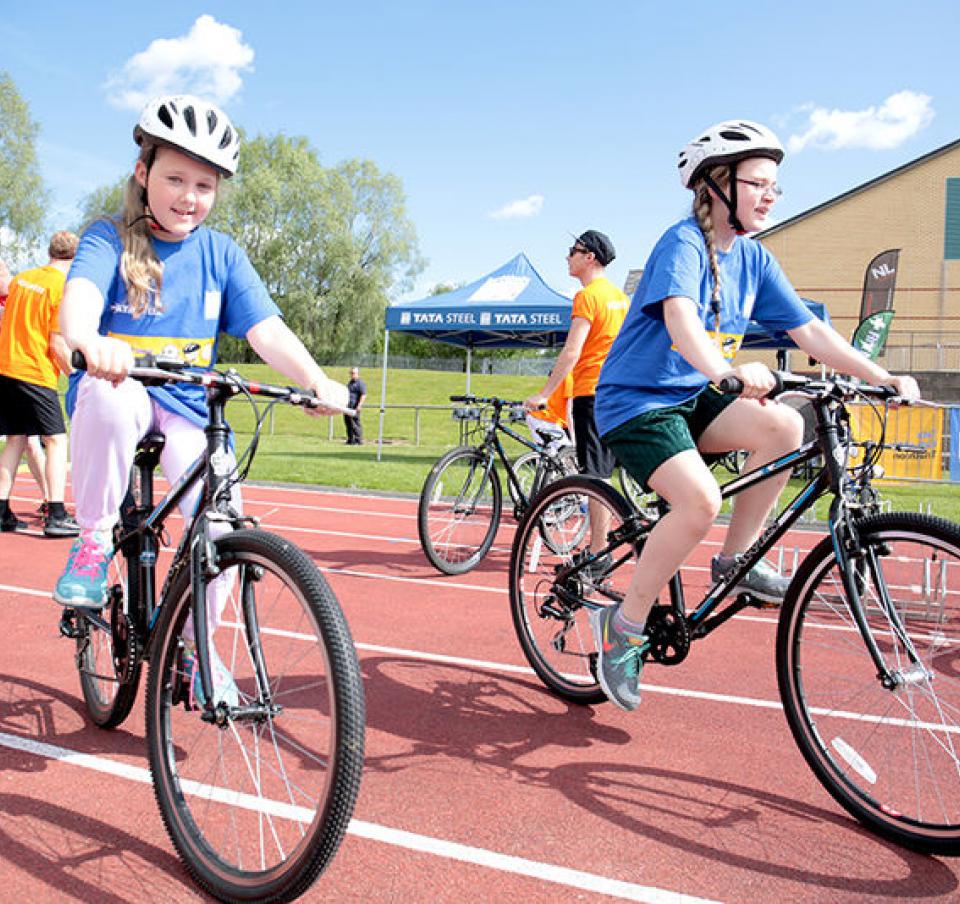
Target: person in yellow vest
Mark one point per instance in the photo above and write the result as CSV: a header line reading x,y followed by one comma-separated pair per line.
x,y
599,309
32,355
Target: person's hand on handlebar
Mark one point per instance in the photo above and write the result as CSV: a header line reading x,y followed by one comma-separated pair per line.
x,y
756,377
536,402
905,386
107,358
334,394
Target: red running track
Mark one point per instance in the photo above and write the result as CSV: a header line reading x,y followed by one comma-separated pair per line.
x,y
479,785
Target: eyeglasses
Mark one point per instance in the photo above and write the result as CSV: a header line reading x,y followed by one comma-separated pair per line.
x,y
576,249
765,188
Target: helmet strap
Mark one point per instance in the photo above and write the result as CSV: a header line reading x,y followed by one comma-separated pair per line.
x,y
731,201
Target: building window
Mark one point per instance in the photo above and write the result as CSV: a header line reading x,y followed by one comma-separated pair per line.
x,y
951,241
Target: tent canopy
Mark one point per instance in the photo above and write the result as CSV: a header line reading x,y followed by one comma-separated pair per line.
x,y
757,337
512,307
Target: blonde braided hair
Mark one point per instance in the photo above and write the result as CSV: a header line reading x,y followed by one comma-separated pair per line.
x,y
702,207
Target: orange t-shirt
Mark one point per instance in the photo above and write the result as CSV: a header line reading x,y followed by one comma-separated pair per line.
x,y
605,306
30,315
556,410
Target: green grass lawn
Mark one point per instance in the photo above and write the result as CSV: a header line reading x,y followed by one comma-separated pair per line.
x,y
297,448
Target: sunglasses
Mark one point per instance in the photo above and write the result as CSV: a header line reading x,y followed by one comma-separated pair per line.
x,y
576,249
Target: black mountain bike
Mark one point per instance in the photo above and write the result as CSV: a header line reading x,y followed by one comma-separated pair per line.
x,y
461,502
868,642
257,784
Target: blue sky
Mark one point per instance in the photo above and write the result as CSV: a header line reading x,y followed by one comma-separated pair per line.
x,y
510,124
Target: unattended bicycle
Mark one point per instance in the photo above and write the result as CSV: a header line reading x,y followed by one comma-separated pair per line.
x,y
256,784
868,639
461,502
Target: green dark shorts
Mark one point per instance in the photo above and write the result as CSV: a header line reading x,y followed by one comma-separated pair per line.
x,y
645,442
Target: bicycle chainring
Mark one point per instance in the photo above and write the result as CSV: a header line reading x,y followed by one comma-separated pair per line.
x,y
669,635
126,648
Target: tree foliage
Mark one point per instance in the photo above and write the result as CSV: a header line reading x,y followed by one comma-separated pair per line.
x,y
23,197
330,244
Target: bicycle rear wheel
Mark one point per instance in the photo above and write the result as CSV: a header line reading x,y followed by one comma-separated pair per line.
x,y
258,804
888,752
108,664
459,511
549,610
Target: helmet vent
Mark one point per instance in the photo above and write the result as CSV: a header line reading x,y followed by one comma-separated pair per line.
x,y
211,122
190,118
163,114
734,136
227,138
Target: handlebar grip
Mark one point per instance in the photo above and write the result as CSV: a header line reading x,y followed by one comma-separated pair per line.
x,y
461,398
734,385
77,360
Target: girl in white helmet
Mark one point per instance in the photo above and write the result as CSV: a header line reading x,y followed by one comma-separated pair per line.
x,y
657,407
155,279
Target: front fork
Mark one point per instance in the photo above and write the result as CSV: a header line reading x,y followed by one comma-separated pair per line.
x,y
853,559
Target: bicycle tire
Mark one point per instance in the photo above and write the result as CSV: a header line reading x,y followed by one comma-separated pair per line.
x,y
642,501
459,511
525,470
258,808
889,756
554,632
109,682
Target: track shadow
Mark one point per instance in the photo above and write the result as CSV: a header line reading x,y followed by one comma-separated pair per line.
x,y
744,827
39,712
509,725
470,714
55,844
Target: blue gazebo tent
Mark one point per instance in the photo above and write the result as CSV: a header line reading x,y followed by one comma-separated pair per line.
x,y
511,307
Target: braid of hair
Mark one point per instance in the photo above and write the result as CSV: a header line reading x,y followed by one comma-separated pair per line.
x,y
701,210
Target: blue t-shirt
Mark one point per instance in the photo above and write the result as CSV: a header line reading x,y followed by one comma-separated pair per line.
x,y
643,370
209,287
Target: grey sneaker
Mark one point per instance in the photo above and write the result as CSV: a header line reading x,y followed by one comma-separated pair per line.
x,y
762,581
619,660
597,570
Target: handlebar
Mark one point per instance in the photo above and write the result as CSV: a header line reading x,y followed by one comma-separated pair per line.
x,y
486,400
156,369
788,382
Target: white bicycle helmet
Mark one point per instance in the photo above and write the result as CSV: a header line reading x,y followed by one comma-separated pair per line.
x,y
194,126
727,142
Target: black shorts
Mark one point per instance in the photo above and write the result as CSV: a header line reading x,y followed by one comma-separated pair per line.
x,y
593,456
29,410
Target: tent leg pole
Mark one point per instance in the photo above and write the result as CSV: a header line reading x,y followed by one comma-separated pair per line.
x,y
469,355
383,392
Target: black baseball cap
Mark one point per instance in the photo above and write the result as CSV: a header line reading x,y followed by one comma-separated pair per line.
x,y
599,244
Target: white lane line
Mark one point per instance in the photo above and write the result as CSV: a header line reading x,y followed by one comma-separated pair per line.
x,y
438,847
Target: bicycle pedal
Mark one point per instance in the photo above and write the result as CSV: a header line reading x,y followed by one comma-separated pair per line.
x,y
69,624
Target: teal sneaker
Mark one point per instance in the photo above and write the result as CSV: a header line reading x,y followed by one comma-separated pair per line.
x,y
619,659
763,580
83,584
224,687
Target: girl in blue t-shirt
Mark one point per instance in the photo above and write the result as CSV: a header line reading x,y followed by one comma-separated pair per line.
x,y
156,279
656,404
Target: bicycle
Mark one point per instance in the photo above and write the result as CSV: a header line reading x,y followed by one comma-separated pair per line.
x,y
256,784
461,502
868,637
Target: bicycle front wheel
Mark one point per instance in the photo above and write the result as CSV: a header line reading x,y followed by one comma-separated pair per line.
x,y
549,604
107,660
887,746
459,512
257,801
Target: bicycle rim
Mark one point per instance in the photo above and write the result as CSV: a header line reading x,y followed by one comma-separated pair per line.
x,y
459,511
890,756
258,807
550,614
108,682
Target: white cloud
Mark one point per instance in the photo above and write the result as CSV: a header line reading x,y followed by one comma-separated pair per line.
x,y
207,61
898,118
519,210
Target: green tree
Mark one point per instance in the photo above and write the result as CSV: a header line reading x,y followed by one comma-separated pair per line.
x,y
23,197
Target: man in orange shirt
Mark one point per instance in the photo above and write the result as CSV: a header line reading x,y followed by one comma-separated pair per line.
x,y
597,315
32,354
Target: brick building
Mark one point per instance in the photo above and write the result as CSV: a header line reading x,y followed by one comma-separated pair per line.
x,y
825,252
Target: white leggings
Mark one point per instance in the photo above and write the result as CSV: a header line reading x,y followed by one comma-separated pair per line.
x,y
107,424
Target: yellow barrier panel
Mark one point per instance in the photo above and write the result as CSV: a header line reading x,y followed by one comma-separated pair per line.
x,y
920,430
